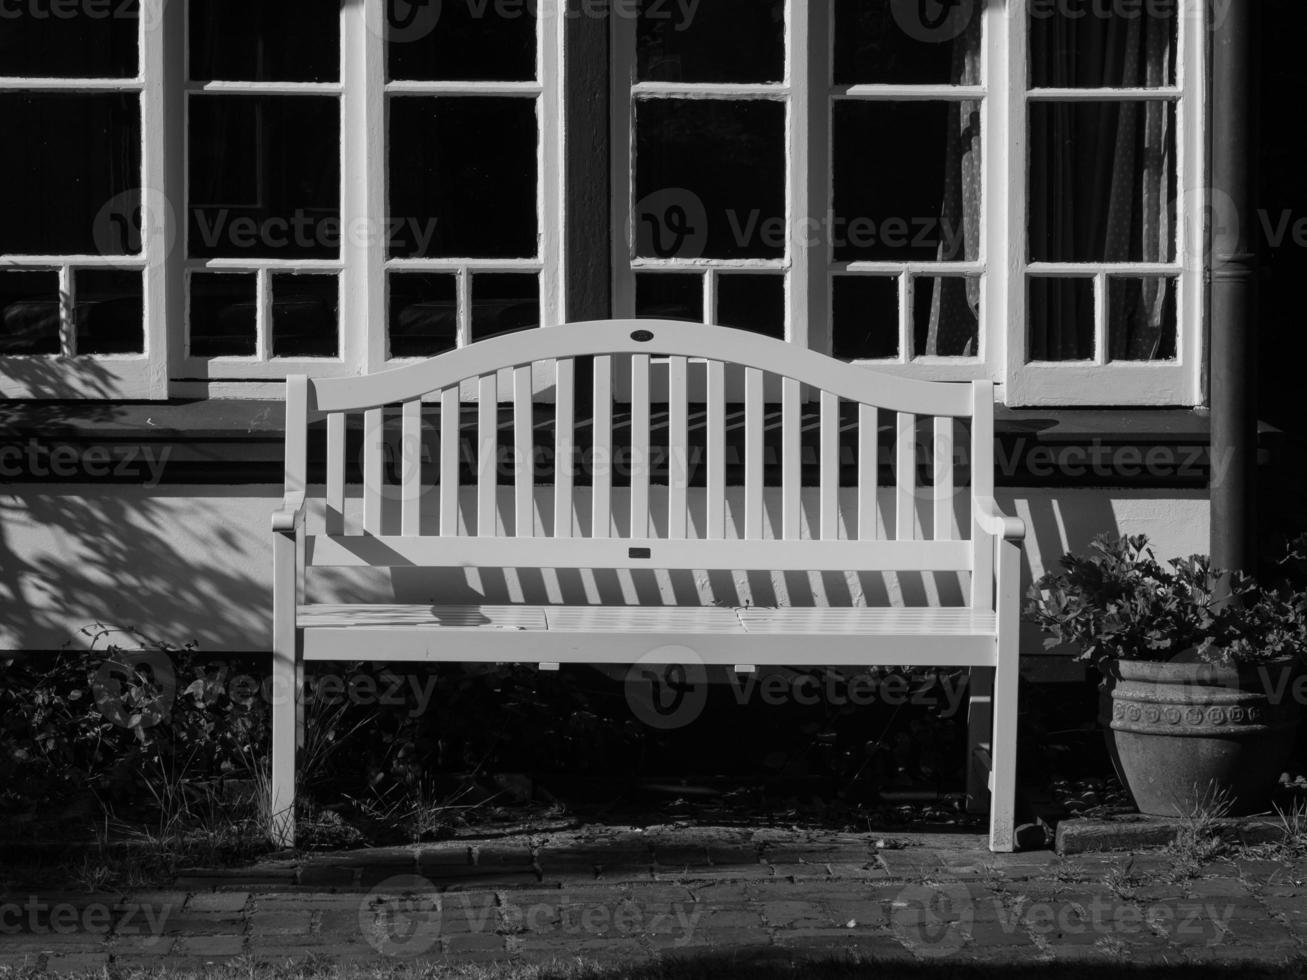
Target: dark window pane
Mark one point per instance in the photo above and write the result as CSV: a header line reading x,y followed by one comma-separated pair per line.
x,y
461,40
752,302
75,41
724,161
1102,182
907,42
907,181
110,311
264,177
945,320
69,162
1087,44
29,313
670,296
1141,322
722,41
865,317
265,41
305,315
223,315
463,177
423,314
1061,319
503,302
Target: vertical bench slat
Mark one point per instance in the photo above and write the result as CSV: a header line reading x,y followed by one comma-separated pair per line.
x,y
564,440
523,453
830,466
868,469
716,461
411,462
374,434
335,516
943,478
753,442
487,453
791,458
639,445
906,478
449,461
602,474
678,461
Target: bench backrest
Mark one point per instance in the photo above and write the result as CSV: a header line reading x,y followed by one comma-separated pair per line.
x,y
829,396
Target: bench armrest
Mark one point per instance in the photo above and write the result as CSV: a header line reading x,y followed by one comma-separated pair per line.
x,y
993,521
291,516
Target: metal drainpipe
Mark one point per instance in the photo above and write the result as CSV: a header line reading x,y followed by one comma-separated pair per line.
x,y
1234,289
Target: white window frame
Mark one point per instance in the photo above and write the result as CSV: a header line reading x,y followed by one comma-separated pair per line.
x,y
135,376
1003,95
166,369
363,265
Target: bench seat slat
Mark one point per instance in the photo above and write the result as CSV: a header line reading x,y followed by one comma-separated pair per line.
x,y
716,635
613,553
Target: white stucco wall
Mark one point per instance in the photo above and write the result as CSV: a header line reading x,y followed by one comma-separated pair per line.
x,y
188,563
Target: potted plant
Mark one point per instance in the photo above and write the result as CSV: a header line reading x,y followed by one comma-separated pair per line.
x,y
1200,671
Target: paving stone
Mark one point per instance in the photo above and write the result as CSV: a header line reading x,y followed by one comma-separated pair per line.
x,y
198,924
217,902
152,945
210,945
795,915
474,942
75,962
280,922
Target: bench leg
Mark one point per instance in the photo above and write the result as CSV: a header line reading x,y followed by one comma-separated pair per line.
x,y
980,725
1003,748
285,695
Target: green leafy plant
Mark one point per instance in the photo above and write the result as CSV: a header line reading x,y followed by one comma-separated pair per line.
x,y
1119,602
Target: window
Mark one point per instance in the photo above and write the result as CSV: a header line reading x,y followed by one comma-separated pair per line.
x,y
974,189
81,247
1009,189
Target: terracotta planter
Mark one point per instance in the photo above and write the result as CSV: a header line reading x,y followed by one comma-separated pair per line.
x,y
1180,733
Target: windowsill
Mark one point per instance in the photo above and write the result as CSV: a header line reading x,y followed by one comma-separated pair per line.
x,y
220,441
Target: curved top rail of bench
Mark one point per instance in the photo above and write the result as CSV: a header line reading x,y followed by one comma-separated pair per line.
x,y
636,336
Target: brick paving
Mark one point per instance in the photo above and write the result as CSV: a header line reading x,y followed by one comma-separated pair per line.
x,y
628,894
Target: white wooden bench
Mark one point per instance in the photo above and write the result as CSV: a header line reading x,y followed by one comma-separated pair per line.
x,y
686,368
